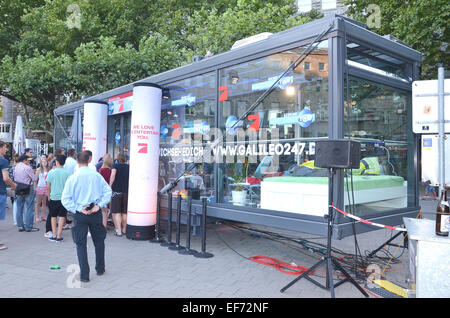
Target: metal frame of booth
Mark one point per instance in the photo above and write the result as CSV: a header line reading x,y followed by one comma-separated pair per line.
x,y
343,30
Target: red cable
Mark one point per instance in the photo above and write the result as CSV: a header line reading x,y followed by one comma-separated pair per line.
x,y
280,265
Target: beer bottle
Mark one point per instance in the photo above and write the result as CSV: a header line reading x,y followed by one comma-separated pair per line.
x,y
442,215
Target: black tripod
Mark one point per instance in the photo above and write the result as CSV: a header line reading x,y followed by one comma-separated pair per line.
x,y
328,260
388,242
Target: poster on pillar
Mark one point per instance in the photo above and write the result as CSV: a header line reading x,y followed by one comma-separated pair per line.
x,y
144,161
95,129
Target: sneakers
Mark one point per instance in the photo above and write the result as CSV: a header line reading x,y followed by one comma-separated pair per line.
x,y
33,229
21,229
54,239
48,234
67,227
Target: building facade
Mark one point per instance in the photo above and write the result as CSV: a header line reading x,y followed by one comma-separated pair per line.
x,y
327,7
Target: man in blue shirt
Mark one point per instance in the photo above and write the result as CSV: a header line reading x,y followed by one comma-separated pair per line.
x,y
4,166
84,194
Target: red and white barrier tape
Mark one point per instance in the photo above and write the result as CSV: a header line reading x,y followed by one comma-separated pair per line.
x,y
428,197
368,222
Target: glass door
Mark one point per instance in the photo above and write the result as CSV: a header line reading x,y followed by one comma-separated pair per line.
x,y
126,130
119,128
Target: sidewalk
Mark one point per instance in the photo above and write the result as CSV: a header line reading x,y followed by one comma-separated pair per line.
x,y
143,269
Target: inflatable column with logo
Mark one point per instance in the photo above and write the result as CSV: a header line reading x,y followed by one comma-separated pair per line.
x,y
95,128
144,161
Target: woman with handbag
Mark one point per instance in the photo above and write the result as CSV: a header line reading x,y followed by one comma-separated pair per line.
x,y
24,177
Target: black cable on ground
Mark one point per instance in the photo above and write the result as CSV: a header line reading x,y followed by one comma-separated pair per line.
x,y
318,250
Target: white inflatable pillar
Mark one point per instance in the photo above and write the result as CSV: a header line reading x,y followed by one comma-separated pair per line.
x,y
144,161
95,128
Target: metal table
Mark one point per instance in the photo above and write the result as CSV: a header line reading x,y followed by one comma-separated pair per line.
x,y
429,259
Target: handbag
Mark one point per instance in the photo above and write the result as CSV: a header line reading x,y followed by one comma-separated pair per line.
x,y
22,188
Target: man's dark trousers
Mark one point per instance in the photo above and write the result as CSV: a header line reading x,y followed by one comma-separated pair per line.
x,y
93,223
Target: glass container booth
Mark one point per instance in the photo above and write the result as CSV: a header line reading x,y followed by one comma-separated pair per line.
x,y
353,84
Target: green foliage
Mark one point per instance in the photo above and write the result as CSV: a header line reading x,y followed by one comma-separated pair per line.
x,y
103,65
40,80
10,25
237,171
211,30
421,24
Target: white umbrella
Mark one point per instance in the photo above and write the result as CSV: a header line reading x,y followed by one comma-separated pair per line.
x,y
19,136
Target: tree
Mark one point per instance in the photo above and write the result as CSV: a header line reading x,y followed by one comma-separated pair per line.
x,y
10,25
39,82
102,65
421,24
211,30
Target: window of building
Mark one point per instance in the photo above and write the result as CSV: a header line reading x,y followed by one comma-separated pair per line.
x,y
328,4
307,65
321,66
304,6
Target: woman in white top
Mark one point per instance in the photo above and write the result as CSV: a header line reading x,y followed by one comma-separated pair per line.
x,y
41,190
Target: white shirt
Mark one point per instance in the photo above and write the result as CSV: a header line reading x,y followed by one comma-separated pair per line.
x,y
83,188
90,165
70,165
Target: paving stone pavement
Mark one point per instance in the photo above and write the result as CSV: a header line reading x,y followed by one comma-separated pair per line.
x,y
143,269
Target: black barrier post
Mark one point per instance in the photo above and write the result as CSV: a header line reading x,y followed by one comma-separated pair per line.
x,y
158,238
177,246
187,250
169,224
203,253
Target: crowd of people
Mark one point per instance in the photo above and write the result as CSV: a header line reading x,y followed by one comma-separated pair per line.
x,y
61,190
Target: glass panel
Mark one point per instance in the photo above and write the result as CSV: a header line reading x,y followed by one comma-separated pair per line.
x,y
187,125
379,117
66,132
126,135
373,61
268,158
80,130
114,136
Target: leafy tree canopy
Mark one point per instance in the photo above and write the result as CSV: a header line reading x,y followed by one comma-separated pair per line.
x,y
11,12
